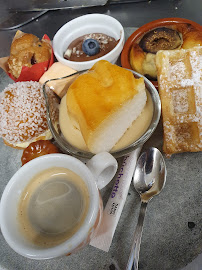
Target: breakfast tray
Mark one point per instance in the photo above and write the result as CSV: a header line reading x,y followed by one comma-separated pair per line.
x,y
171,237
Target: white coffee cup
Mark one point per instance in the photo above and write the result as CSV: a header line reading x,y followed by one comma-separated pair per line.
x,y
96,174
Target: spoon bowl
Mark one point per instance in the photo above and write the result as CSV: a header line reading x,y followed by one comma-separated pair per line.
x,y
150,174
149,179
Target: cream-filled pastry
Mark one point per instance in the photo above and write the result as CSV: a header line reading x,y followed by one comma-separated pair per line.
x,y
103,103
23,114
72,133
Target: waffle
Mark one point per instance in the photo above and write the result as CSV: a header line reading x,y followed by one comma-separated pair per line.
x,y
180,89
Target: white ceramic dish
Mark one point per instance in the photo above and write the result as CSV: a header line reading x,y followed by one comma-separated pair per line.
x,y
92,23
98,172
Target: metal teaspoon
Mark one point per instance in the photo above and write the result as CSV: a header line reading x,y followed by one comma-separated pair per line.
x,y
149,179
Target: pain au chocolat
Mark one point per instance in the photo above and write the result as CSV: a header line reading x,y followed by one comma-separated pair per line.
x,y
104,102
180,89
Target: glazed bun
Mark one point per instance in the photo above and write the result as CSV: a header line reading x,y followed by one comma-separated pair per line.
x,y
23,114
27,50
192,39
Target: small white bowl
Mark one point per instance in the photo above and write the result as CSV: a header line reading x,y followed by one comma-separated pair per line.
x,y
92,23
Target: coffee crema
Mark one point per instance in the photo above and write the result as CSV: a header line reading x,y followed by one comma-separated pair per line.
x,y
53,207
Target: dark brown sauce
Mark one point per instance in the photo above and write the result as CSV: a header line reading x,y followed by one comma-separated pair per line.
x,y
75,53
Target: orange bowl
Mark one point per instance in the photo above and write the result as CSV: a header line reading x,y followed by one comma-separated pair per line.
x,y
125,61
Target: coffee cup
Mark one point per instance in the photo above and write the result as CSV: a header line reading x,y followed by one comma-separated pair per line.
x,y
52,205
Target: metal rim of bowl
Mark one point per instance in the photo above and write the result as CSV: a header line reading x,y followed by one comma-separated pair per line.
x,y
72,150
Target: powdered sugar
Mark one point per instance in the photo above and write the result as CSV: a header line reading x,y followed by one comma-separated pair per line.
x,y
23,112
178,67
180,101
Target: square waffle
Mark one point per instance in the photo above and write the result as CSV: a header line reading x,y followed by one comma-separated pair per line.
x,y
180,89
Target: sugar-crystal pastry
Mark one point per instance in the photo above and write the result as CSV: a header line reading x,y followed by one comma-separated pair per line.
x,y
180,89
104,102
23,114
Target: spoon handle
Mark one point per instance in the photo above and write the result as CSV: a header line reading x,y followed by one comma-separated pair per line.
x,y
134,254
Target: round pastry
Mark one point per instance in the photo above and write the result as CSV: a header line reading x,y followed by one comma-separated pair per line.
x,y
37,149
27,50
23,114
143,52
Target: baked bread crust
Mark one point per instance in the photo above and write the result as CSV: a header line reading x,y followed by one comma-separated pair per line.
x,y
137,58
27,50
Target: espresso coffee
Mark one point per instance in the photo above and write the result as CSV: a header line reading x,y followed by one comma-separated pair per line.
x,y
53,207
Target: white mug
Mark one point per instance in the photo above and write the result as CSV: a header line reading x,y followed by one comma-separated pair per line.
x,y
96,174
